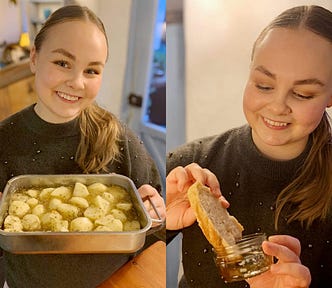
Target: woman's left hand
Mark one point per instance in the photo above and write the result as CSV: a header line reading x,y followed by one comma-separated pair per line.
x,y
147,191
288,271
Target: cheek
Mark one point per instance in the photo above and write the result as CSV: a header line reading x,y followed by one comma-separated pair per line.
x,y
93,88
251,99
47,77
310,116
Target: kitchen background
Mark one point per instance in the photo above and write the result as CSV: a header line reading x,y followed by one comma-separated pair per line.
x,y
134,86
209,45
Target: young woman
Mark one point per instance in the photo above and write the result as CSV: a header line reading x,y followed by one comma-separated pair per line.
x,y
66,132
276,171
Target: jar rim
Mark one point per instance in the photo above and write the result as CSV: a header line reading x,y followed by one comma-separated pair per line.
x,y
245,242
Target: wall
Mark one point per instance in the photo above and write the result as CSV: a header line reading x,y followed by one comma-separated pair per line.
x,y
218,39
175,104
10,25
116,17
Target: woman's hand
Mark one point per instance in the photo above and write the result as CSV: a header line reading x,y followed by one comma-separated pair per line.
x,y
148,192
288,271
178,210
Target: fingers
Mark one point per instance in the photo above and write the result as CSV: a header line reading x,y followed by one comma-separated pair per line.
x,y
152,198
183,177
287,250
179,177
281,252
205,176
288,241
294,274
147,190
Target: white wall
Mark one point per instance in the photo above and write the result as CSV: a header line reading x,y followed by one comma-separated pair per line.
x,y
10,22
175,104
218,37
115,15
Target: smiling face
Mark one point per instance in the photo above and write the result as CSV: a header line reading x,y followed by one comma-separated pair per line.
x,y
289,87
68,69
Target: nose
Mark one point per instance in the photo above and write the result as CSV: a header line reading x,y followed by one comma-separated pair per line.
x,y
279,103
76,80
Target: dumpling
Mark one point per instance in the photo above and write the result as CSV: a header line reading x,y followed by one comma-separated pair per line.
x,y
80,190
94,213
18,208
81,224
62,192
31,222
79,202
13,224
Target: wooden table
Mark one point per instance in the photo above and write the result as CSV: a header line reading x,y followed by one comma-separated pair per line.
x,y
148,270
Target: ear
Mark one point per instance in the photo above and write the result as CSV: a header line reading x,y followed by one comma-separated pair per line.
x,y
33,59
329,104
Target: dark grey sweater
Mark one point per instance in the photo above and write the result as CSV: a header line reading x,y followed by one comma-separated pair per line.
x,y
251,183
29,145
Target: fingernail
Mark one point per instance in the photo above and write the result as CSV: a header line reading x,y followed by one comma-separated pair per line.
x,y
223,200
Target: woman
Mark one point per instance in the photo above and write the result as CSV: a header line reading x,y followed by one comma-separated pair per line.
x,y
276,171
66,132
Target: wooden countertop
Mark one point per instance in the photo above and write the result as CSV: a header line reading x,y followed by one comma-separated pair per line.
x,y
148,270
14,72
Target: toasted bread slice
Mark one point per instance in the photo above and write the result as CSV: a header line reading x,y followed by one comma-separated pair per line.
x,y
219,228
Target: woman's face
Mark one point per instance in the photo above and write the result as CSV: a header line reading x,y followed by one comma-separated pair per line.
x,y
289,87
68,70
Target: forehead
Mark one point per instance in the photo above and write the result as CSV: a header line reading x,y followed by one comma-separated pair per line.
x,y
297,52
78,37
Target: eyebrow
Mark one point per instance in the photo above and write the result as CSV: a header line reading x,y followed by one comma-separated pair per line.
x,y
71,56
263,70
309,81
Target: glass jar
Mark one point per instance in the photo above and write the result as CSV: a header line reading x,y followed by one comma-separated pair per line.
x,y
243,260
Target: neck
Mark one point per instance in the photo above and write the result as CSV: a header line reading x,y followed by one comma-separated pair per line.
x,y
280,152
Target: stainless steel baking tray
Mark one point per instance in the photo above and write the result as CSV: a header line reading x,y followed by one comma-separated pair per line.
x,y
73,242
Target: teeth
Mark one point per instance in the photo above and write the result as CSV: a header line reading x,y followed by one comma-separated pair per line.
x,y
67,97
274,123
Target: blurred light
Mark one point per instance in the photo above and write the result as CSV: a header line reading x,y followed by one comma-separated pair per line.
x,y
24,40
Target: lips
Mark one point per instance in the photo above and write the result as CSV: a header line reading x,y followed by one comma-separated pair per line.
x,y
275,124
67,97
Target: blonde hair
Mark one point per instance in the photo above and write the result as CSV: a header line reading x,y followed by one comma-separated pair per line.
x,y
100,129
309,196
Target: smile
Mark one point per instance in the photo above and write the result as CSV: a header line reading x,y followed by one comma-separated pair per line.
x,y
275,123
67,96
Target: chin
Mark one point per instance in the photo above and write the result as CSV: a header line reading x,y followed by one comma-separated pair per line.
x,y
271,140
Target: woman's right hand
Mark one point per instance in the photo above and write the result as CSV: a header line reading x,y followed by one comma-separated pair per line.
x,y
178,211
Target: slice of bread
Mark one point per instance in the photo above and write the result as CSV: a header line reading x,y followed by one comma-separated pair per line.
x,y
219,228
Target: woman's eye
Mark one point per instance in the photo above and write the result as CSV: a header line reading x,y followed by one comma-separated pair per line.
x,y
92,72
62,63
301,96
263,87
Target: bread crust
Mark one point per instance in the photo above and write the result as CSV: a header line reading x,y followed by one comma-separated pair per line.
x,y
219,228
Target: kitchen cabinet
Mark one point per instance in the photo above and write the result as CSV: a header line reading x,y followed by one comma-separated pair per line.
x,y
17,96
4,103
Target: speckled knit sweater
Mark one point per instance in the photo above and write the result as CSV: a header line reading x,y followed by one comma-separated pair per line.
x,y
251,183
29,145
